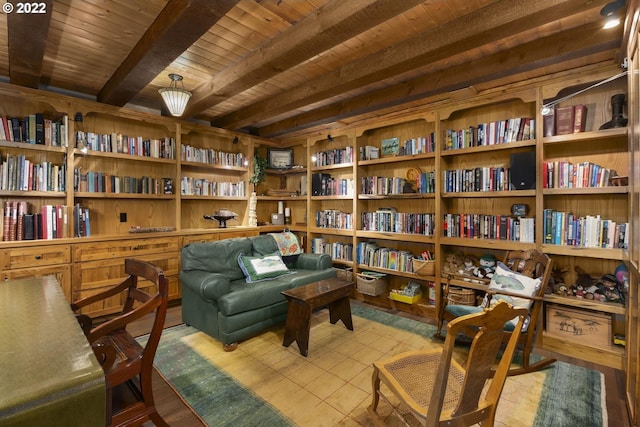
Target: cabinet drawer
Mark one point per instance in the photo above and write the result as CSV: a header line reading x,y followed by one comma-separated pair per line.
x,y
35,256
200,238
84,252
61,272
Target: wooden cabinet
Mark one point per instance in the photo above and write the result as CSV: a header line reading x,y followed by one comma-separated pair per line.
x,y
36,261
332,192
100,265
213,175
574,192
284,188
396,209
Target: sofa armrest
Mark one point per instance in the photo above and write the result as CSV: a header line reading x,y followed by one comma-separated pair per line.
x,y
313,261
210,286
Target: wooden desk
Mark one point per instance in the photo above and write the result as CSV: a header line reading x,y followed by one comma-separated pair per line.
x,y
48,372
303,300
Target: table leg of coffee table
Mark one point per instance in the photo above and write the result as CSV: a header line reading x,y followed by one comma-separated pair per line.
x,y
341,310
298,325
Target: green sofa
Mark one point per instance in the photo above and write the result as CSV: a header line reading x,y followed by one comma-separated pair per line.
x,y
216,298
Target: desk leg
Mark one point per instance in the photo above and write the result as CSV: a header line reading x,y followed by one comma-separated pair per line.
x,y
341,310
298,325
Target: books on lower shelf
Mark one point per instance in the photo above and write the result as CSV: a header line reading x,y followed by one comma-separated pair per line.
x,y
337,250
22,222
387,220
81,222
589,231
493,227
370,254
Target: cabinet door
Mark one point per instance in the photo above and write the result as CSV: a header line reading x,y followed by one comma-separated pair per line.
x,y
91,277
62,273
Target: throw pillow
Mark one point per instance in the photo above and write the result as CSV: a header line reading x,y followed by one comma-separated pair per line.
x,y
510,281
266,267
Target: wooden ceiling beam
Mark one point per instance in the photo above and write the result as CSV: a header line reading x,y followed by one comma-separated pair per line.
x,y
27,38
180,24
483,26
335,23
571,44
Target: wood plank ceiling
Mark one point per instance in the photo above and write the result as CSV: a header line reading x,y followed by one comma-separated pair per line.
x,y
290,68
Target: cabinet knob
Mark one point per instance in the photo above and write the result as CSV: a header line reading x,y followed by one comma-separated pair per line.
x,y
38,257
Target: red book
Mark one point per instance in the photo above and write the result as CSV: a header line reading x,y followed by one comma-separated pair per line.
x,y
59,212
564,120
579,118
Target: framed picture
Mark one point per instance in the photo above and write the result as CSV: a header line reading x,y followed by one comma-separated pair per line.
x,y
280,158
390,147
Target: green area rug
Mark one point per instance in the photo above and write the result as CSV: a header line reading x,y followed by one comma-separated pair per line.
x,y
570,395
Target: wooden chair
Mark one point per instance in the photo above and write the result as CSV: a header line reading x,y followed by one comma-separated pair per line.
x,y
439,391
127,365
531,263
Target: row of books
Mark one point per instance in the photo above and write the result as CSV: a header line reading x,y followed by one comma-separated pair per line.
x,y
164,148
20,222
562,174
382,185
493,227
589,231
211,156
565,120
190,186
337,250
498,132
334,157
420,145
426,182
333,218
35,129
477,179
399,222
17,173
370,254
326,185
98,182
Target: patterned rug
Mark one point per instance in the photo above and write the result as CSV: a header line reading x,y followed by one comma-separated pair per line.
x,y
241,388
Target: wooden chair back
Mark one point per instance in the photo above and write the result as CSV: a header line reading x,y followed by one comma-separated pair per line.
x,y
531,263
471,407
128,365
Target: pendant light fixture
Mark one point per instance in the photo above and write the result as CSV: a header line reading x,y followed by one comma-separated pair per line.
x,y
175,98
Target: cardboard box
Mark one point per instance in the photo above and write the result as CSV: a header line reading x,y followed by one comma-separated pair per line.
x,y
584,327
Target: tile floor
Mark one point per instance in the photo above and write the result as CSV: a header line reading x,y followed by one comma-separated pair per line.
x,y
332,386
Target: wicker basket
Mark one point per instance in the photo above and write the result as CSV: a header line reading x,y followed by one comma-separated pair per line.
x,y
460,296
345,273
423,267
370,285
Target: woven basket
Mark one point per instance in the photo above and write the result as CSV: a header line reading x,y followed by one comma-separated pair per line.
x,y
459,296
368,285
423,267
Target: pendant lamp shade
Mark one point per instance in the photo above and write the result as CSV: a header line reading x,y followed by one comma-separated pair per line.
x,y
175,98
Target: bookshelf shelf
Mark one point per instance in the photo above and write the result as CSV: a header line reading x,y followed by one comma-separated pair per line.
x,y
488,148
407,237
34,147
504,245
484,194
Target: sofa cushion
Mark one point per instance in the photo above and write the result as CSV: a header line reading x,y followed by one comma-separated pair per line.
x,y
220,256
251,296
258,268
263,245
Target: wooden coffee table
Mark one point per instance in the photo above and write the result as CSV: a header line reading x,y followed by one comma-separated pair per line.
x,y
333,293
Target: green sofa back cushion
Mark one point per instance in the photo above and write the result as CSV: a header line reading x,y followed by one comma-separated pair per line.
x,y
220,256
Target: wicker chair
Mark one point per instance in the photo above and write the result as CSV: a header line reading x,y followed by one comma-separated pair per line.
x,y
441,392
531,263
